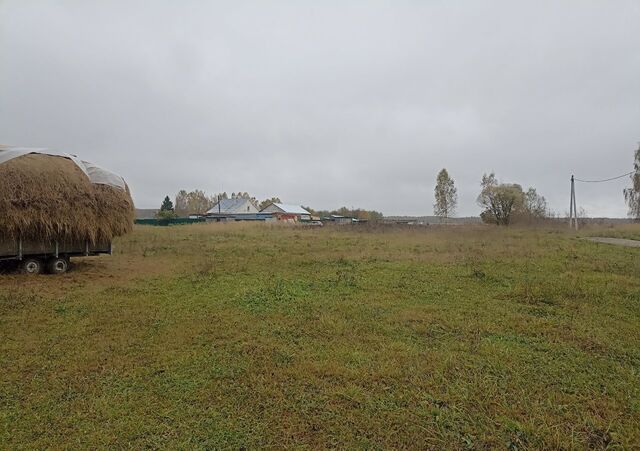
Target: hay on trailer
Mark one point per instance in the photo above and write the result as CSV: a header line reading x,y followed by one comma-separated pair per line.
x,y
45,197
116,211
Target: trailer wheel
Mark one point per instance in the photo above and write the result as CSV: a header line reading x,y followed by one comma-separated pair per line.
x,y
58,265
32,266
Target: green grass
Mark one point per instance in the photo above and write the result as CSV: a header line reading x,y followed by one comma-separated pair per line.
x,y
229,336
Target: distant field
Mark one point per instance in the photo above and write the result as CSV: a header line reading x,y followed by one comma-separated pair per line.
x,y
247,335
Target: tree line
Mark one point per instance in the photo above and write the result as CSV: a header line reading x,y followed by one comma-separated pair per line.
x,y
506,203
358,213
197,202
501,203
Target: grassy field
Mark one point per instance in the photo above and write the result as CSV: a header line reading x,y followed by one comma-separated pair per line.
x,y
245,335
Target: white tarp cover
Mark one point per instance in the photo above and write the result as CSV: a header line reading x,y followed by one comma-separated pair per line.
x,y
95,173
102,176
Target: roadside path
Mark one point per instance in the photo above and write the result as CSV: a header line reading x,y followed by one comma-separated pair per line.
x,y
616,241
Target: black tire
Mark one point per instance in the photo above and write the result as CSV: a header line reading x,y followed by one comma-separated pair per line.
x,y
32,266
58,265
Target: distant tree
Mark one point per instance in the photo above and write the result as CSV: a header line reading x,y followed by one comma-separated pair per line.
x,y
368,215
240,195
358,213
582,215
166,209
168,214
214,198
535,205
198,202
182,205
167,205
446,196
505,203
193,202
376,215
632,194
498,200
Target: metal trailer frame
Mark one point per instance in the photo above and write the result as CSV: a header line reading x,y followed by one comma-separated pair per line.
x,y
12,250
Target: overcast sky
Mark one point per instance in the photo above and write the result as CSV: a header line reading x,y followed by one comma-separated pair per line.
x,y
331,103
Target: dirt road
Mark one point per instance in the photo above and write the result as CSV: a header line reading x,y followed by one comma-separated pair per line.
x,y
616,241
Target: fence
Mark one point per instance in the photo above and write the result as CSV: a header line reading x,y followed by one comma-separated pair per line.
x,y
167,221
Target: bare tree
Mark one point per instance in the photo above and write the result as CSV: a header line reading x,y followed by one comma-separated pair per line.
x,y
193,202
632,195
446,196
181,204
198,202
535,205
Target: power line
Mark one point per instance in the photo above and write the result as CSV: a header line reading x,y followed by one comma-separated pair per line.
x,y
605,180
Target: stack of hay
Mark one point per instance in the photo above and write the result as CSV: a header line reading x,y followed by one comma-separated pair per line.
x,y
46,196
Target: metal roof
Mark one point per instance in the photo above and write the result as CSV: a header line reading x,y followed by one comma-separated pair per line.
x,y
292,209
231,206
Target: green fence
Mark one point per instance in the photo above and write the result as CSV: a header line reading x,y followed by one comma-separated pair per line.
x,y
167,222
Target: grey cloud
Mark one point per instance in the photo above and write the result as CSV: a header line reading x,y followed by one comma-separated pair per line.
x,y
330,103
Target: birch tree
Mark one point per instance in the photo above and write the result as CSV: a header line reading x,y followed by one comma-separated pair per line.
x,y
446,196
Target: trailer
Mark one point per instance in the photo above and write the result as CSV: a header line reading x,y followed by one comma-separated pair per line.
x,y
35,257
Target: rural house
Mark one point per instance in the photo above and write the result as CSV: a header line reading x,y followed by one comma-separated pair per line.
x,y
233,206
286,212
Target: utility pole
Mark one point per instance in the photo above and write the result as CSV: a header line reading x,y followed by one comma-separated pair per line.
x,y
573,211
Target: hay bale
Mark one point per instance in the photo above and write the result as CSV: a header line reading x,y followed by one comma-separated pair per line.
x,y
45,197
